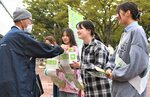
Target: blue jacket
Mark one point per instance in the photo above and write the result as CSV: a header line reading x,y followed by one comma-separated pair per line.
x,y
18,50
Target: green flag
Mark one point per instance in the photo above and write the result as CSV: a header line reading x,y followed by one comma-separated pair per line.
x,y
74,18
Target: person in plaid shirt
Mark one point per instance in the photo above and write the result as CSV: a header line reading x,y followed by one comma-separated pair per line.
x,y
94,53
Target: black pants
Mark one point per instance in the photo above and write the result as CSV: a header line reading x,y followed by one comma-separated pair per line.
x,y
55,91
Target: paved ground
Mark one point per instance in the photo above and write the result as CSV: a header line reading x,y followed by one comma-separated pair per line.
x,y
47,84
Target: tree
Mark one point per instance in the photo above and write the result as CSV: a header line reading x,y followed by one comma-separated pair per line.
x,y
102,14
144,6
1,36
145,12
50,16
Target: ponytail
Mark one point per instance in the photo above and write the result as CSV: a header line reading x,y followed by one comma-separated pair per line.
x,y
132,7
138,15
96,36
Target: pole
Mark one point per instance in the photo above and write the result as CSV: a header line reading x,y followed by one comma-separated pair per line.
x,y
5,9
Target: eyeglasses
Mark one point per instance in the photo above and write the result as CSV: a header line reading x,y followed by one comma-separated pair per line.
x,y
30,19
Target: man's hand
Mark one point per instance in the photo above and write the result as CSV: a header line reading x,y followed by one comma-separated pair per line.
x,y
75,65
65,47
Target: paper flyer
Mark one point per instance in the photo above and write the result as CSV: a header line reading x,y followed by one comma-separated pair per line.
x,y
50,70
100,70
52,63
65,60
69,74
140,83
98,73
68,57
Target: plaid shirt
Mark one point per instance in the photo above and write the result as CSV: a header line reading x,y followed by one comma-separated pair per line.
x,y
95,54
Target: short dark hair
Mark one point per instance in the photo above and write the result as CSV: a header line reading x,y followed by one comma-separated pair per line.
x,y
86,24
70,35
132,7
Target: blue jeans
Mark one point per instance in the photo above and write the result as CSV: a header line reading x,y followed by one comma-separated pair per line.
x,y
65,94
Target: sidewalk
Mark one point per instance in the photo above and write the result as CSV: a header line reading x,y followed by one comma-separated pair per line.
x,y
47,84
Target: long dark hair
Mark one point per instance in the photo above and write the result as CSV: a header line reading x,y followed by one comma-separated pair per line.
x,y
132,7
70,34
88,25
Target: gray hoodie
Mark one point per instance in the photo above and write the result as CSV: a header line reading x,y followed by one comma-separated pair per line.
x,y
129,60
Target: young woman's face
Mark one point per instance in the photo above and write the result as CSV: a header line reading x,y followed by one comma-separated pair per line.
x,y
82,32
123,17
65,38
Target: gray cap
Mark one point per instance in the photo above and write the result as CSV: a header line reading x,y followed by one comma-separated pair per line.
x,y
20,14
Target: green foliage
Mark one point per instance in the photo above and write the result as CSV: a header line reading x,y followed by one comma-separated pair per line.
x,y
51,16
1,36
101,13
144,6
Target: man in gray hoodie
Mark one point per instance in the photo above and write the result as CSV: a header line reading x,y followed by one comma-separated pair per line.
x,y
128,67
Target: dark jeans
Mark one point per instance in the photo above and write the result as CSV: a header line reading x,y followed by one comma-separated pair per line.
x,y
55,91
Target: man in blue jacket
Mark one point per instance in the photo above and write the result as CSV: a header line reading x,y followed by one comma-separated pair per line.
x,y
18,50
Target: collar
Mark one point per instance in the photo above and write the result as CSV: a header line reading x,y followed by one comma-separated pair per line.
x,y
18,27
130,26
92,42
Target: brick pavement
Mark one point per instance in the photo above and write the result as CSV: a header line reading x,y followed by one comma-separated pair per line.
x,y
47,84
